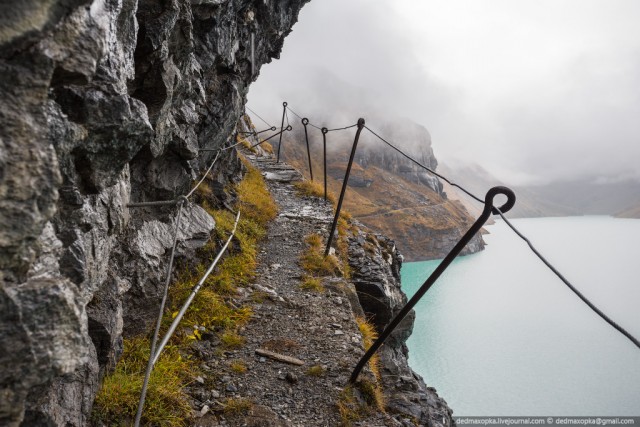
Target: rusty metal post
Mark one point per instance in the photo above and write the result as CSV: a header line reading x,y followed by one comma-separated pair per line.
x,y
486,213
344,184
284,112
305,122
324,159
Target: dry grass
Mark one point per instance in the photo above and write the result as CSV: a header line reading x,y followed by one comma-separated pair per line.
x,y
315,371
167,404
314,261
231,339
235,406
369,335
359,401
313,284
267,147
238,366
314,189
244,142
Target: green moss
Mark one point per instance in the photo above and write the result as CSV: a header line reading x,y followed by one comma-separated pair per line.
x,y
315,371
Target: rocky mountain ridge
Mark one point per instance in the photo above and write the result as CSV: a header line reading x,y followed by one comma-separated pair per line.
x,y
586,196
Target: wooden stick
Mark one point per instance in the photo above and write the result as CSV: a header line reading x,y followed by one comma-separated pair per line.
x,y
279,357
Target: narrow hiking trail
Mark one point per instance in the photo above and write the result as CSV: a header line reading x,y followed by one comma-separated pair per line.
x,y
317,329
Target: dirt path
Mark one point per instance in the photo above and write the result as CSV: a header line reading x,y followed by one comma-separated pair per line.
x,y
319,329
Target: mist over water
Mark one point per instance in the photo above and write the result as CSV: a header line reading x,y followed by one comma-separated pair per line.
x,y
499,334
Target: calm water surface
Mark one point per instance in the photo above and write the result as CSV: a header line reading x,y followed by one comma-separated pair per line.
x,y
499,334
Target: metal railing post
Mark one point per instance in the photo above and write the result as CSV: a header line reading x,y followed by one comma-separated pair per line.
x,y
305,122
344,184
486,213
324,159
284,112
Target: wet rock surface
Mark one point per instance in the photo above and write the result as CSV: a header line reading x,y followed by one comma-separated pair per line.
x,y
104,102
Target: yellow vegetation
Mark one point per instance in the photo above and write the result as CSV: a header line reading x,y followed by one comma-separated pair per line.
x,y
352,408
313,284
314,189
314,261
315,371
237,406
166,403
238,366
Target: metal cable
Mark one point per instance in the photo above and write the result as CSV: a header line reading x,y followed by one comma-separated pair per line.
x,y
569,285
425,167
535,251
147,374
180,201
300,117
256,114
288,128
195,290
156,203
343,128
205,174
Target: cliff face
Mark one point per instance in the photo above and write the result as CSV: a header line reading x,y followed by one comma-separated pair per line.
x,y
376,264
105,102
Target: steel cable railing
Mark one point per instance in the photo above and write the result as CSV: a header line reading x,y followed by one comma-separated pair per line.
x,y
487,211
154,353
494,210
193,294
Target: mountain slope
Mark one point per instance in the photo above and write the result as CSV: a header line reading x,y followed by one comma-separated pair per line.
x,y
389,194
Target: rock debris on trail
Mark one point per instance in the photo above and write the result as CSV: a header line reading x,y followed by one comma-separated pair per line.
x,y
318,329
293,330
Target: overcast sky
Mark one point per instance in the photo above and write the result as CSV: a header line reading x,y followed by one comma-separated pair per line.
x,y
529,89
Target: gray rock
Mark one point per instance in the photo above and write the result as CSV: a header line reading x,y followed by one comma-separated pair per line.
x,y
376,276
104,102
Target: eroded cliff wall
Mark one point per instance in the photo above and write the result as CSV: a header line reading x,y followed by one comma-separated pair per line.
x,y
105,102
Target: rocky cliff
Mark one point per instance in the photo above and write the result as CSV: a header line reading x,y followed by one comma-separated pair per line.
x,y
105,102
376,264
387,192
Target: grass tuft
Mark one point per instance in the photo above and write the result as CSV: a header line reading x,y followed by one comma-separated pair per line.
x,y
315,371
167,404
359,401
238,366
308,188
313,284
235,406
314,261
231,339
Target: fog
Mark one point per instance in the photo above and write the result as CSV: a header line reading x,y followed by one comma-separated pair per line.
x,y
534,91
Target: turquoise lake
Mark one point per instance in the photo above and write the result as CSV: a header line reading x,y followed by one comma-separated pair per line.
x,y
499,334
